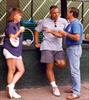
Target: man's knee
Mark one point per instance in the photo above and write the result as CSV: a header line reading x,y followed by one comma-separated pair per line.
x,y
61,64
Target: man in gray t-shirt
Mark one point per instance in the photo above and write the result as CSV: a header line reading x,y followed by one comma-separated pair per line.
x,y
51,46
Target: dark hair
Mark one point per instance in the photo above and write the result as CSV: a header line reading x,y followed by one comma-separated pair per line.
x,y
12,13
75,11
53,7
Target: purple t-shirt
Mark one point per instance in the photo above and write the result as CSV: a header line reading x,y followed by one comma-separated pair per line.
x,y
12,28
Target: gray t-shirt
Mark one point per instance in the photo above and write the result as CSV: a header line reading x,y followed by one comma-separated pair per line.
x,y
51,42
12,28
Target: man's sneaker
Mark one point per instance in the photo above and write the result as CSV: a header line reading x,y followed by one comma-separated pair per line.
x,y
16,95
73,97
10,90
56,91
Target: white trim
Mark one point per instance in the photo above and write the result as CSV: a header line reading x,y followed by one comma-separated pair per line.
x,y
38,8
86,27
85,14
69,3
27,5
0,1
3,16
23,9
79,5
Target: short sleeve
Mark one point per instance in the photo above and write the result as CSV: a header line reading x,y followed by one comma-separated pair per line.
x,y
10,29
39,27
65,23
76,28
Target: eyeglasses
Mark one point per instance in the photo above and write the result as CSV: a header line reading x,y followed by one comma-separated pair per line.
x,y
55,25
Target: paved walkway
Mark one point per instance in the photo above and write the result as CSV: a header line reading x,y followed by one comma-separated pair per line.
x,y
44,93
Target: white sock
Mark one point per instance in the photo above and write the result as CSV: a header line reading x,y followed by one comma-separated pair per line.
x,y
11,84
53,84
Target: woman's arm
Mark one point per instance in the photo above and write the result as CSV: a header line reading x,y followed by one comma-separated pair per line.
x,y
21,30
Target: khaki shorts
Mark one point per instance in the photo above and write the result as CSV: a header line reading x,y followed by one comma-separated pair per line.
x,y
8,55
51,56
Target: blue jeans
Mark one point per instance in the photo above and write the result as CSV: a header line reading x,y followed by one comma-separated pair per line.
x,y
74,53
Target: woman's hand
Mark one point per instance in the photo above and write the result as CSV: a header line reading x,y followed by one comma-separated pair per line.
x,y
22,29
12,36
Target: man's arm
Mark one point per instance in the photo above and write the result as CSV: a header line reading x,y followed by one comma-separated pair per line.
x,y
75,37
55,33
36,36
62,33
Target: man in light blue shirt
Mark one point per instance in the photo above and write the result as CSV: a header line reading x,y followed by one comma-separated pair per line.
x,y
74,34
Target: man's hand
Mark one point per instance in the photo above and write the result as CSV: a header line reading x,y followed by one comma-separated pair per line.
x,y
63,33
37,45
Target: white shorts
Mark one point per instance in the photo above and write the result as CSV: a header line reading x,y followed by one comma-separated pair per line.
x,y
8,55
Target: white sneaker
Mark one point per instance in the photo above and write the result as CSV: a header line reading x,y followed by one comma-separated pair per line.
x,y
56,91
10,90
16,95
